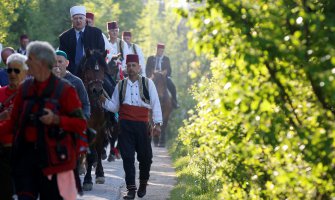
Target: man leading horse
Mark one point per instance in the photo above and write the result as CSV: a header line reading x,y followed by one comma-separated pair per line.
x,y
133,98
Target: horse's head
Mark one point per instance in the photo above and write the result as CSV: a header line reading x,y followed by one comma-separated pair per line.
x,y
160,82
92,71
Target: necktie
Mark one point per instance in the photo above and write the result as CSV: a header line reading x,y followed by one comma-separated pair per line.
x,y
79,48
157,64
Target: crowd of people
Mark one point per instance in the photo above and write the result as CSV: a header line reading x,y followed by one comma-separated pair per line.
x,y
43,104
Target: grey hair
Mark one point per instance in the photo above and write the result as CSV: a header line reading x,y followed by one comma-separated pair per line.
x,y
18,58
43,51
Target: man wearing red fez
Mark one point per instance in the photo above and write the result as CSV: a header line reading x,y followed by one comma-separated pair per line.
x,y
160,62
133,48
90,22
117,45
133,98
79,37
90,19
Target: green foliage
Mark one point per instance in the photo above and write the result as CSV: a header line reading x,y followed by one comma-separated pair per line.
x,y
264,121
41,20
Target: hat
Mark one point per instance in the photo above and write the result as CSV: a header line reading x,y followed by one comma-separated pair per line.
x,y
90,15
126,33
132,58
160,46
78,10
61,53
112,25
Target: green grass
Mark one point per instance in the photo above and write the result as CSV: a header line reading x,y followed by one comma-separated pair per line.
x,y
189,185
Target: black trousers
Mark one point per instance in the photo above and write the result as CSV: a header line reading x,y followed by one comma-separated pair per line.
x,y
6,181
172,88
134,137
30,183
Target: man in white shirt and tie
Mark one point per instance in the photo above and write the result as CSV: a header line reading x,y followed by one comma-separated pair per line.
x,y
79,37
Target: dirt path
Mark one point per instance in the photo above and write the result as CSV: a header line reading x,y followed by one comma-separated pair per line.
x,y
161,181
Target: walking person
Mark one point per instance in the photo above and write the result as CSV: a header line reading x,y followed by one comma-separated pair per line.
x,y
46,112
5,53
133,98
17,71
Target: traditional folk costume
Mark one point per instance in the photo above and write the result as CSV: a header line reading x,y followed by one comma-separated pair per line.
x,y
118,47
107,44
133,101
133,48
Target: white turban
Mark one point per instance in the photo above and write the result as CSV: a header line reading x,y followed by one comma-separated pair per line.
x,y
78,10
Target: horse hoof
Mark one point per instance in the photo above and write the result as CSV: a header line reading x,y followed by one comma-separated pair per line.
x,y
100,180
87,186
82,171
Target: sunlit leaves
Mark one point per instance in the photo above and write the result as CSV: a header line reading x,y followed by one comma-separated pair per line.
x,y
270,99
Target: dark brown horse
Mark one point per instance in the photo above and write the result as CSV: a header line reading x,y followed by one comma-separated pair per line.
x,y
92,72
166,105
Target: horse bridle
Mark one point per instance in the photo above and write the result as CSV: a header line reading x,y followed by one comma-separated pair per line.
x,y
91,82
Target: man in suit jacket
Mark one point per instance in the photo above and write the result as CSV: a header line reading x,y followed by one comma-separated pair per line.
x,y
90,38
160,62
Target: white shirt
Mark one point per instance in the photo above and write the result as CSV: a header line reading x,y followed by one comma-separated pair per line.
x,y
132,97
107,44
114,50
139,52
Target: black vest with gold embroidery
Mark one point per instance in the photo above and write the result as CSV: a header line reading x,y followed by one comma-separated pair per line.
x,y
143,86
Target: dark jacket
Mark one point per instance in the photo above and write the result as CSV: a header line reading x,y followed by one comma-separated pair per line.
x,y
151,62
92,40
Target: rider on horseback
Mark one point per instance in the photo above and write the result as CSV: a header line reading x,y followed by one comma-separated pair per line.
x,y
160,62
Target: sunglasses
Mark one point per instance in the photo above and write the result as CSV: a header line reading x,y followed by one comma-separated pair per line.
x,y
10,70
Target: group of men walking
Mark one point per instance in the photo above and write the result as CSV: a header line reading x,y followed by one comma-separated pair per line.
x,y
41,114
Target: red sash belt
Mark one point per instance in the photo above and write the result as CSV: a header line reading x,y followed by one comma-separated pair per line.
x,y
134,113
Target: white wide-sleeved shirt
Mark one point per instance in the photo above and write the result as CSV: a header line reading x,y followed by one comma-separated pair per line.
x,y
130,50
114,50
133,98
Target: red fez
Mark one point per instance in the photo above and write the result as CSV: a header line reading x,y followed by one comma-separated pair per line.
x,y
90,15
160,46
132,58
112,25
126,33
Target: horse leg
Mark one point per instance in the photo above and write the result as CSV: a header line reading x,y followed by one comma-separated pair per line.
x,y
114,152
88,184
162,137
99,171
82,164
